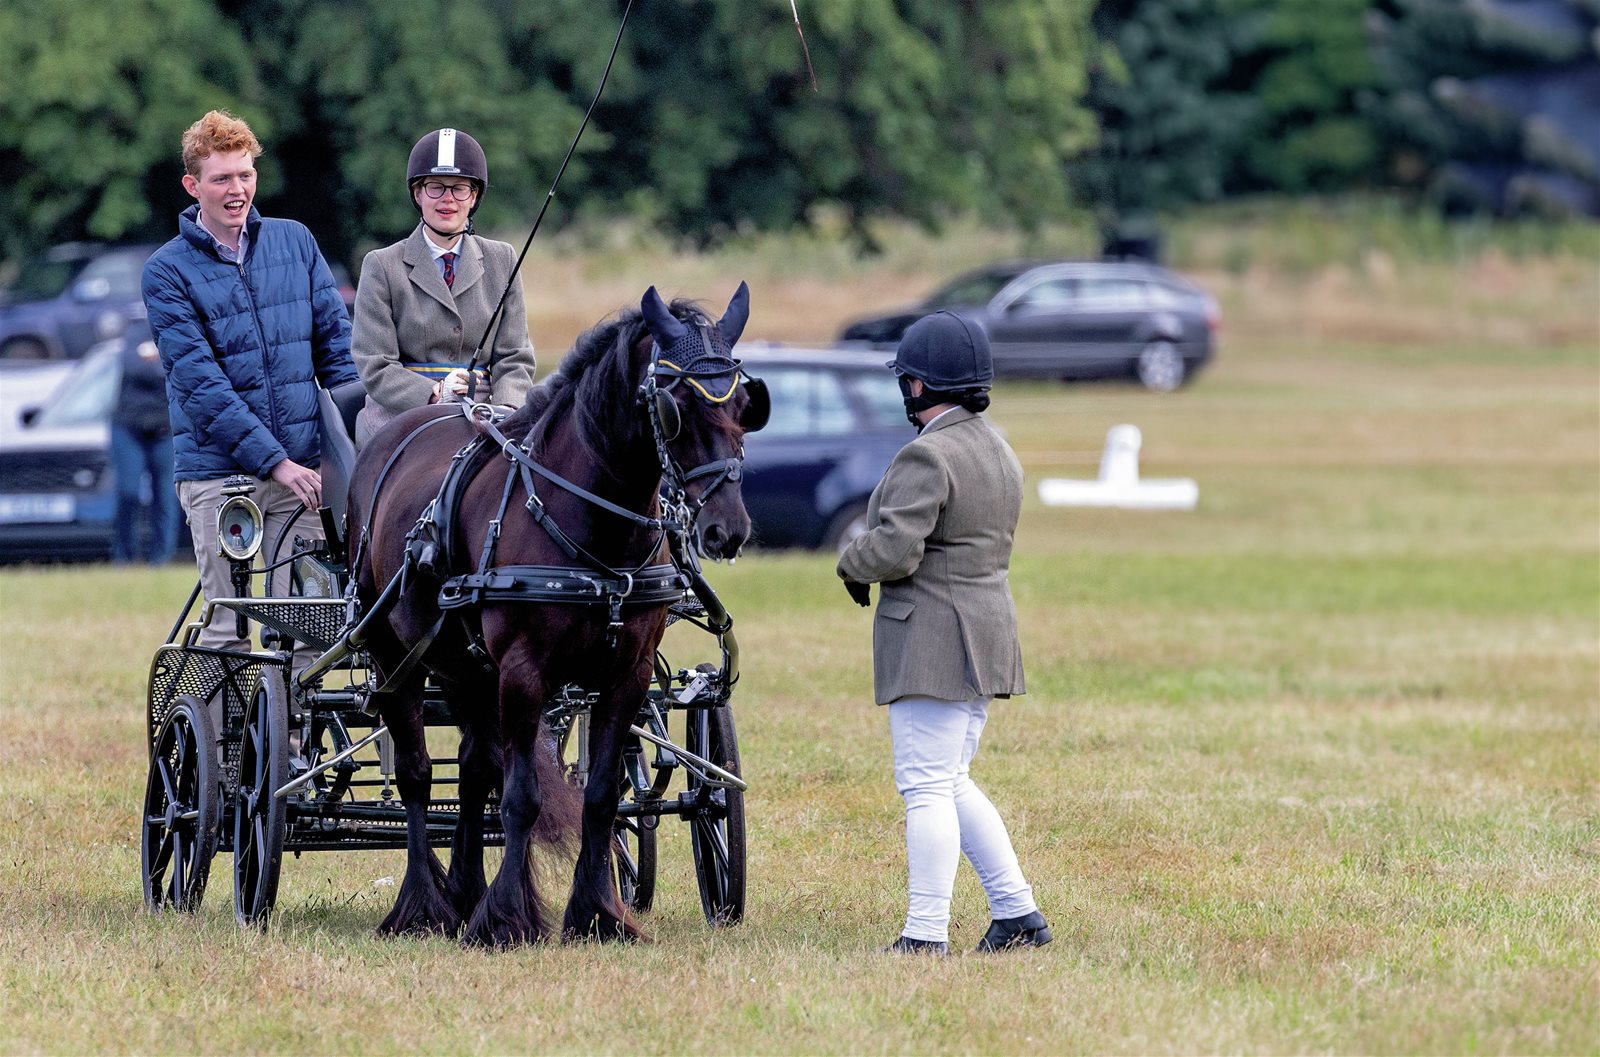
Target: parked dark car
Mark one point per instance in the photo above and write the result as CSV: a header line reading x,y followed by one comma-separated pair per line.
x,y
1075,320
837,421
57,487
69,298
57,491
77,294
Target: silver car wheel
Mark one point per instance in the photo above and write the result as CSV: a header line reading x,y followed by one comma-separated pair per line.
x,y
846,526
1160,367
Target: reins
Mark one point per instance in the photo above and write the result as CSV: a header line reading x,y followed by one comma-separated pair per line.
x,y
430,542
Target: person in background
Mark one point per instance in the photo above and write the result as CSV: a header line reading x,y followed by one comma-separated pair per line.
x,y
944,639
423,303
248,320
141,444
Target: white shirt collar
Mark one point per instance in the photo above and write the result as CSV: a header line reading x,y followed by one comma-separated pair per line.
x,y
230,255
439,251
940,415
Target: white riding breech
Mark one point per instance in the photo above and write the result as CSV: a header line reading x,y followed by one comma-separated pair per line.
x,y
947,815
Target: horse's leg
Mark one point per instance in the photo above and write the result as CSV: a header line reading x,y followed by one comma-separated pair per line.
x,y
479,776
510,912
595,910
421,906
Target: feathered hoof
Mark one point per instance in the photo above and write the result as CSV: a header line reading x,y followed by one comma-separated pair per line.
x,y
421,914
465,894
498,923
600,926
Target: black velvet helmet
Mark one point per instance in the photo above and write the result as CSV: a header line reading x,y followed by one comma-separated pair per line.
x,y
945,353
449,152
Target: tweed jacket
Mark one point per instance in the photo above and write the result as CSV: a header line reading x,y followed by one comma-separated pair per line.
x,y
405,314
942,522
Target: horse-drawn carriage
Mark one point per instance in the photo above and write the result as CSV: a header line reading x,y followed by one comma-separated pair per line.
x,y
433,603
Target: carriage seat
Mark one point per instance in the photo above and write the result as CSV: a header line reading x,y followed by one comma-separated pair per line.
x,y
338,407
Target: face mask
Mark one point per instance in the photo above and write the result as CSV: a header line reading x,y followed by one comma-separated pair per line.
x,y
914,404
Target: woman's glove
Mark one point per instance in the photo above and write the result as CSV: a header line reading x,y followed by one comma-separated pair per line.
x,y
861,594
455,384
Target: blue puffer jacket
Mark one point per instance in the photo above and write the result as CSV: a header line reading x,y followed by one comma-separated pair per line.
x,y
245,346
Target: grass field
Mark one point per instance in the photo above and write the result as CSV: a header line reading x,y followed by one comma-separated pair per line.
x,y
1310,769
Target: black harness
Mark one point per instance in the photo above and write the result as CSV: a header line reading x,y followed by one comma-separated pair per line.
x,y
593,582
432,549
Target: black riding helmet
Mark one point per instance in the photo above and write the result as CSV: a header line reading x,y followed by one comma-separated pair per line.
x,y
950,356
946,353
448,152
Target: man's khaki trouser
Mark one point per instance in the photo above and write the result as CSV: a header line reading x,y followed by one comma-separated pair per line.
x,y
279,505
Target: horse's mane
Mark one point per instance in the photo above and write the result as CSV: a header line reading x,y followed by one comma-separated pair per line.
x,y
594,380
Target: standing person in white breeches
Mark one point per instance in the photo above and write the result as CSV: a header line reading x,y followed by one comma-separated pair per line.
x,y
945,632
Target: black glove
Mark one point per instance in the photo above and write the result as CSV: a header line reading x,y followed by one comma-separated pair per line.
x,y
860,594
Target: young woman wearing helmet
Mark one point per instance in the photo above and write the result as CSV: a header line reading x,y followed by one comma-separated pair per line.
x,y
424,302
944,639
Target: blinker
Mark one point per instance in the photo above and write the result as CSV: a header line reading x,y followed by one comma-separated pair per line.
x,y
667,414
759,409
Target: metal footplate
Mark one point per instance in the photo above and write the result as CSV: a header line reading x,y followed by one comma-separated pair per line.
x,y
317,622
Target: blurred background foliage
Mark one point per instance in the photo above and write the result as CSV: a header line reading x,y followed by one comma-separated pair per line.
x,y
1021,112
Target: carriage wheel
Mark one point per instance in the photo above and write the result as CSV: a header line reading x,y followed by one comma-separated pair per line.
x,y
259,818
182,808
633,839
717,828
633,856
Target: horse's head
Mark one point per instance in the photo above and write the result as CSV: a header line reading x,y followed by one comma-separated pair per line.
x,y
701,404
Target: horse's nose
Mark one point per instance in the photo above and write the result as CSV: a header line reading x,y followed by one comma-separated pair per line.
x,y
716,541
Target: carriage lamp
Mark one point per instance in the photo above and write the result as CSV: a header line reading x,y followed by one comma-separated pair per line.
x,y
312,575
239,529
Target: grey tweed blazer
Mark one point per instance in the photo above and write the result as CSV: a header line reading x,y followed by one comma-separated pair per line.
x,y
405,314
942,522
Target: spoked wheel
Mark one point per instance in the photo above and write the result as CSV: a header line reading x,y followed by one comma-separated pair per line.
x,y
633,856
633,838
717,827
182,809
259,818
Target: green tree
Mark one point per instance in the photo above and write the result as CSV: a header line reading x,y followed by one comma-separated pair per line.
x,y
97,97
1306,68
357,82
921,108
1171,119
710,125
1491,104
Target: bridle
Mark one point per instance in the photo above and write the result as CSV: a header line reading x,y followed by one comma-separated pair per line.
x,y
661,410
593,581
680,511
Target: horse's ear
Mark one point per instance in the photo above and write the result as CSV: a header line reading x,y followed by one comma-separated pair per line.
x,y
731,325
666,327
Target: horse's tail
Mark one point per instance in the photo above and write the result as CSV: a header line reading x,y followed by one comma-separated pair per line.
x,y
560,821
560,827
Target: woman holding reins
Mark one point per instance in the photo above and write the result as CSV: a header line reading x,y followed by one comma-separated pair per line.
x,y
425,301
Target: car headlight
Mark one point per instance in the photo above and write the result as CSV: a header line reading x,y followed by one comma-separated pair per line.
x,y
109,324
239,529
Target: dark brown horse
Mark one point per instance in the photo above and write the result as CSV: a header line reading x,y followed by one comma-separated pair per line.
x,y
649,401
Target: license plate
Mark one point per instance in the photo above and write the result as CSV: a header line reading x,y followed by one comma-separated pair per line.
x,y
16,509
